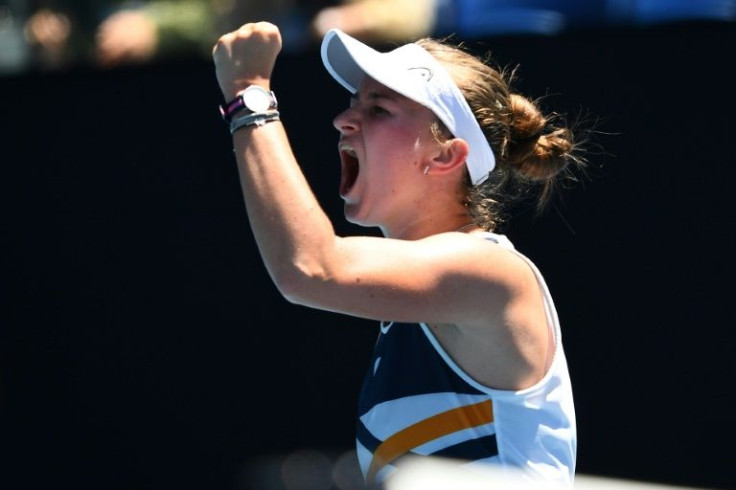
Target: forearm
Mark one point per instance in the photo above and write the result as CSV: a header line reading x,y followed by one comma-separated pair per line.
x,y
294,236
292,231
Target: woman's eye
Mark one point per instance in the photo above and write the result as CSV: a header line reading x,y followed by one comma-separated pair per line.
x,y
377,110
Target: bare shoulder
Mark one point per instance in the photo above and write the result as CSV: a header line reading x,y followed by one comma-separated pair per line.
x,y
508,343
449,278
488,255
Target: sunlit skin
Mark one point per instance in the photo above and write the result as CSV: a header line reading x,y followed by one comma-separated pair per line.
x,y
387,138
390,138
482,301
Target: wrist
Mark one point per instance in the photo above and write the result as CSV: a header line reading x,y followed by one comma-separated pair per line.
x,y
255,119
231,90
252,100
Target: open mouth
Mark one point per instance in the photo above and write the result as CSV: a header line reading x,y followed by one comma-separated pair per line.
x,y
350,168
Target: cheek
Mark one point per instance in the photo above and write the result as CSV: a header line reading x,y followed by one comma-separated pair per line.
x,y
397,147
397,142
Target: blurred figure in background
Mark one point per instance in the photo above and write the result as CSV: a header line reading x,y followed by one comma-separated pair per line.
x,y
169,27
113,33
166,28
60,33
138,34
378,21
47,33
110,33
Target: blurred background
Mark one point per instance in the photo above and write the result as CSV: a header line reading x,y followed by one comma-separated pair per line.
x,y
54,34
142,344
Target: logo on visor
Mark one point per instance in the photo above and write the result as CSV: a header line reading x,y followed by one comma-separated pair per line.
x,y
421,72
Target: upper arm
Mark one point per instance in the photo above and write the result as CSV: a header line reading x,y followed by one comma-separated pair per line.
x,y
448,278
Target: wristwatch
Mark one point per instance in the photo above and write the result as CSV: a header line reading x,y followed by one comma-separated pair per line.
x,y
254,99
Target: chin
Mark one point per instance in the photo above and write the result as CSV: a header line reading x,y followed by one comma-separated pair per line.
x,y
350,210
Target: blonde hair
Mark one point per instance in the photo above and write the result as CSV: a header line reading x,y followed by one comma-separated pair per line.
x,y
531,149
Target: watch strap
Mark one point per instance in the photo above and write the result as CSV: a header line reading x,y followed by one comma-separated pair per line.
x,y
228,110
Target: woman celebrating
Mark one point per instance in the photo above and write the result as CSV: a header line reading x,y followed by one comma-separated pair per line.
x,y
469,363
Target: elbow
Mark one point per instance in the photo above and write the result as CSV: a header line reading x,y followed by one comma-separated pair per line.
x,y
306,274
298,285
291,290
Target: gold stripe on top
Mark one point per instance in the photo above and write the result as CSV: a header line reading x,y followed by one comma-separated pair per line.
x,y
427,430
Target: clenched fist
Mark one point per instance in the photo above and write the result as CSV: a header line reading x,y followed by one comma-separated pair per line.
x,y
246,57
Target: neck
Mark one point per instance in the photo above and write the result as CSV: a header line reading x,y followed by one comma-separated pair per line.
x,y
424,229
467,227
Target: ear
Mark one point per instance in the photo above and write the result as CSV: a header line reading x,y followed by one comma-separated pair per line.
x,y
449,156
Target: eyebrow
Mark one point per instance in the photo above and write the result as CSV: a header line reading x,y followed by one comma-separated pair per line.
x,y
373,96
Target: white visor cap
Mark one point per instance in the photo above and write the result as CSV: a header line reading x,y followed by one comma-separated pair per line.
x,y
414,73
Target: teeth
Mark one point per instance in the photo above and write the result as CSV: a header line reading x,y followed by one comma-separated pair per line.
x,y
347,149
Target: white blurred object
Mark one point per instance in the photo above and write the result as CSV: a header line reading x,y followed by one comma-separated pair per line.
x,y
589,482
13,48
439,474
431,473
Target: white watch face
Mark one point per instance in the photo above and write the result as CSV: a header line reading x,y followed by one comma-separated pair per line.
x,y
257,99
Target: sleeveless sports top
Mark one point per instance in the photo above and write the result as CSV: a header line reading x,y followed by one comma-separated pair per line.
x,y
416,400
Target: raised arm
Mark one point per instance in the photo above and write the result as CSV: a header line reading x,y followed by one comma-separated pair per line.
x,y
439,276
411,280
287,221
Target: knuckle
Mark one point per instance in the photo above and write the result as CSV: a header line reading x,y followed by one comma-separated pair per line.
x,y
223,40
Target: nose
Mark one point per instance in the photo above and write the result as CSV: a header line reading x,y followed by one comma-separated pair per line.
x,y
347,121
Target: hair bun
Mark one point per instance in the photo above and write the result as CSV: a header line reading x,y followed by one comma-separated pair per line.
x,y
537,149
